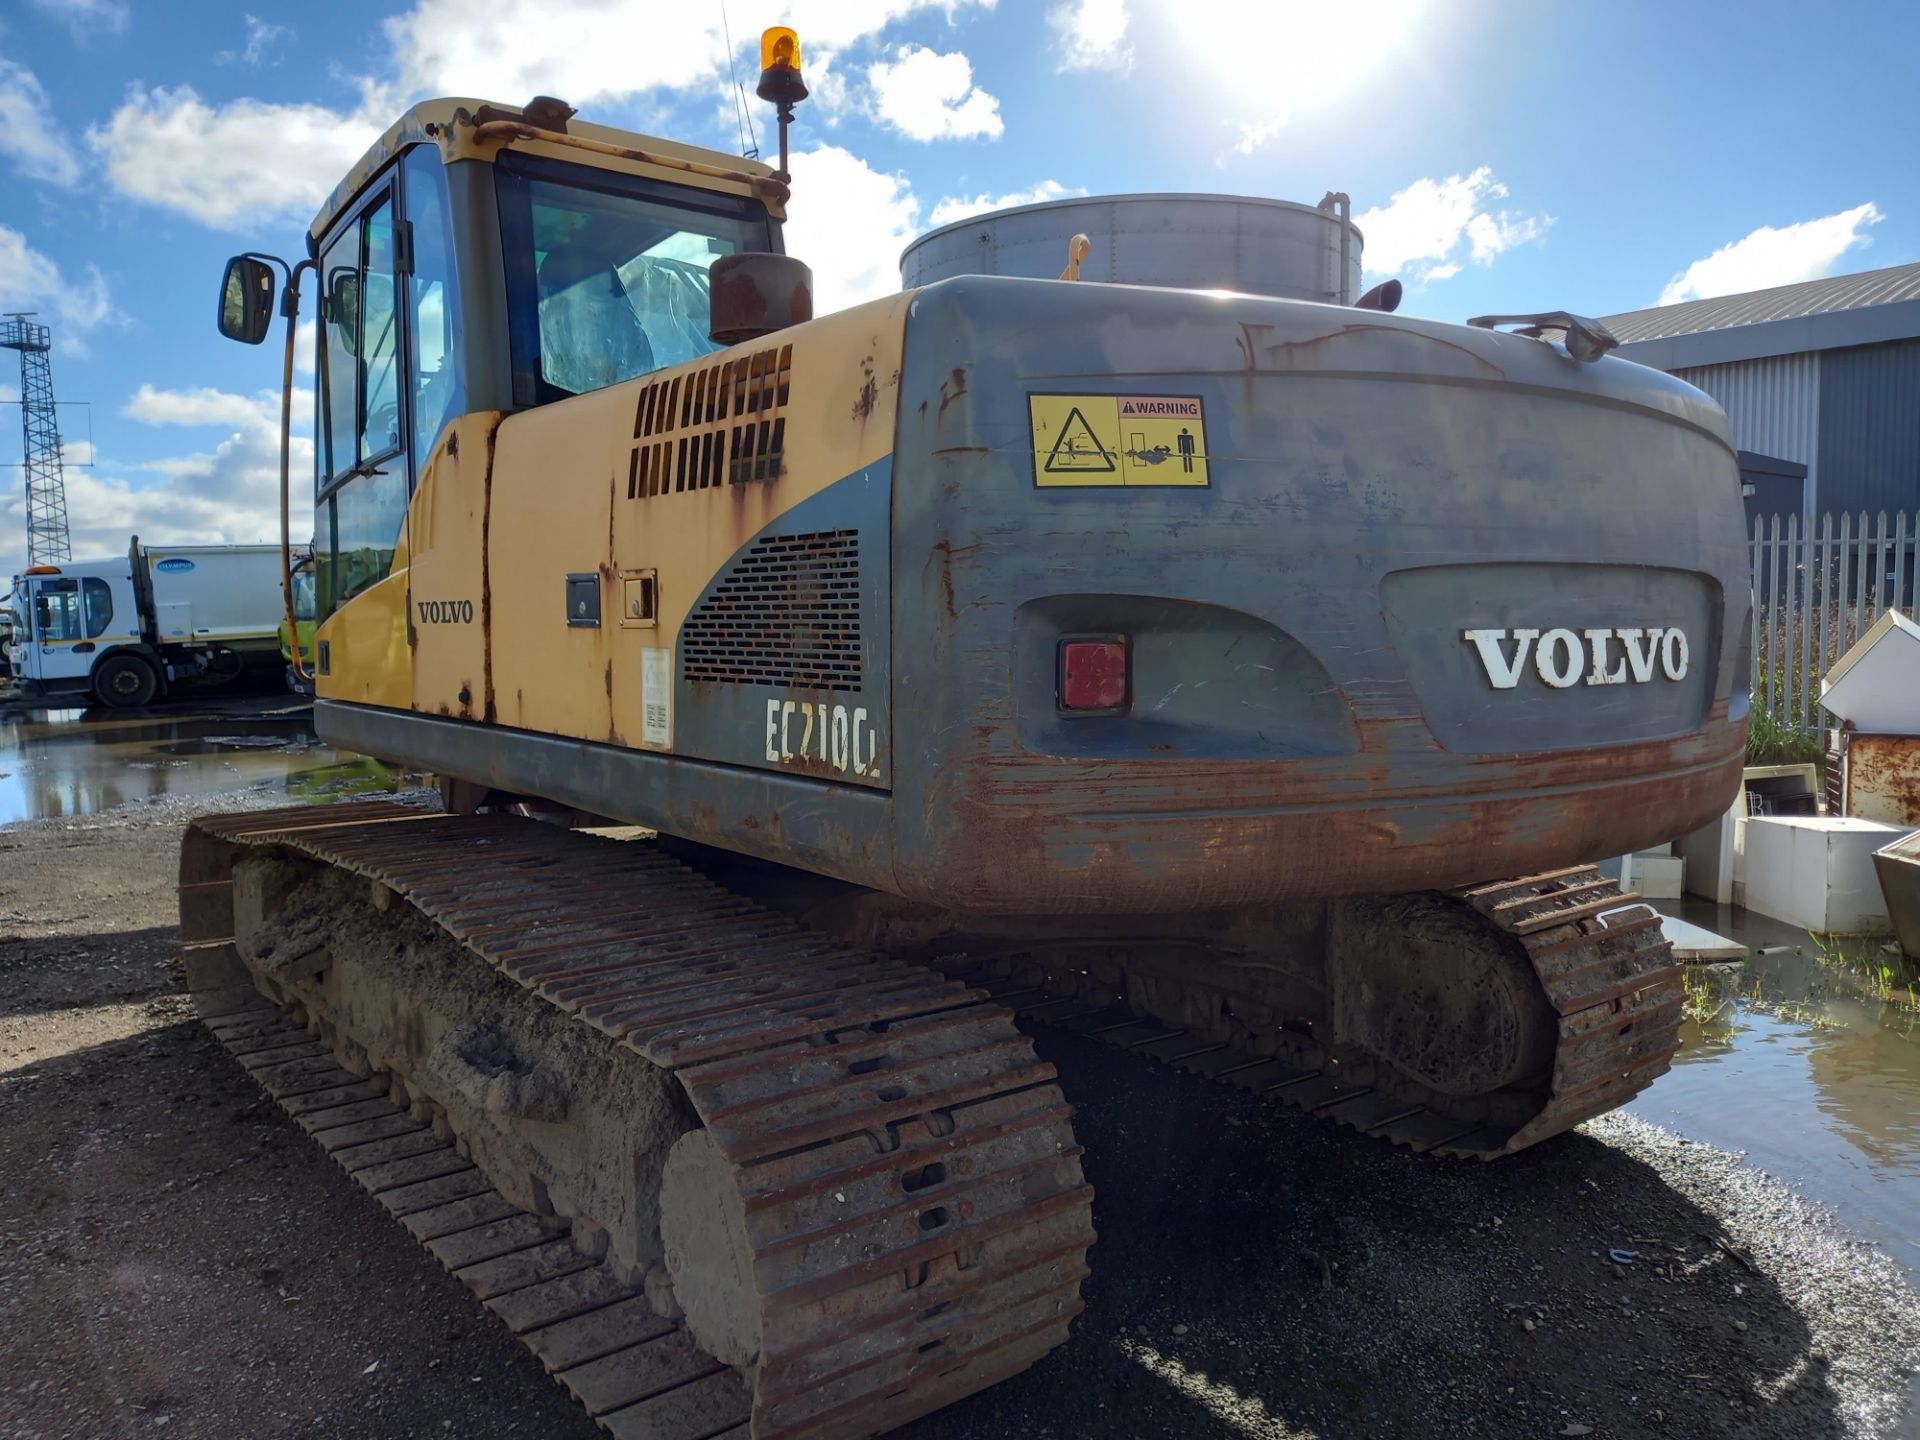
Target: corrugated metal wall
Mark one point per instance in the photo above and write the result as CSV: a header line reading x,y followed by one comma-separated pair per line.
x,y
1870,428
1774,405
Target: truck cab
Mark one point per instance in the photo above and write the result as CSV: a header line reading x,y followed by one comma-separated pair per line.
x,y
74,617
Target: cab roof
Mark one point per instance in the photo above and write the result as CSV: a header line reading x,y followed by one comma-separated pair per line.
x,y
451,122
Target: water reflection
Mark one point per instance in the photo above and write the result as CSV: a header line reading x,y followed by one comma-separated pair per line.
x,y
70,762
1808,1058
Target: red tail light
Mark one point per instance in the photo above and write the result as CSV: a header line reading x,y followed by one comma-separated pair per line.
x,y
1093,675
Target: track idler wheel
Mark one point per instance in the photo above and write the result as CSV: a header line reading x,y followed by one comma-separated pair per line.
x,y
1425,985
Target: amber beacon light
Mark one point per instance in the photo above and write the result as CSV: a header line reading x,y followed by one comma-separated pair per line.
x,y
780,81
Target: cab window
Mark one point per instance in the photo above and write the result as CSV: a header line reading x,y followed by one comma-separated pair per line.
x,y
303,594
96,603
434,362
57,611
362,491
607,274
339,367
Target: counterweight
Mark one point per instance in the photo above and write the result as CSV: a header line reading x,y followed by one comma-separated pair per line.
x,y
40,438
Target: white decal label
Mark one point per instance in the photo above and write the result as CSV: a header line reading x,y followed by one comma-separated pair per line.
x,y
656,697
820,737
1565,658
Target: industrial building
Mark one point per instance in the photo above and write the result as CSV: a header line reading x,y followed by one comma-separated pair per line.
x,y
1821,380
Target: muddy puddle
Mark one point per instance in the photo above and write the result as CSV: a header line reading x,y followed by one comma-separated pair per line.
x,y
1807,1057
71,762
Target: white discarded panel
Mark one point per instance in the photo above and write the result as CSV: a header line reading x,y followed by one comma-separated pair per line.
x,y
1817,872
1696,945
1876,684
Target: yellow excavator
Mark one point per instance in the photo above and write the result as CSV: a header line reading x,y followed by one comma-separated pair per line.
x,y
1245,682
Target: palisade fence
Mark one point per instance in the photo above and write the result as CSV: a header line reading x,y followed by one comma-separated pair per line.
x,y
1815,593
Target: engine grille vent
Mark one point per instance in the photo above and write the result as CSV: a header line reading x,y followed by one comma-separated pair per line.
x,y
787,614
720,425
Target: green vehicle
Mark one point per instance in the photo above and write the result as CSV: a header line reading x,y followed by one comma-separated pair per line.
x,y
300,679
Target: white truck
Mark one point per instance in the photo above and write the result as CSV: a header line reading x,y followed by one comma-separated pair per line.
x,y
128,629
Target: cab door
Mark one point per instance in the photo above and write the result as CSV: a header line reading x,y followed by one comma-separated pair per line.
x,y
389,386
62,652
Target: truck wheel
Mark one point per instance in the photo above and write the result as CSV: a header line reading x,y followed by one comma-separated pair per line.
x,y
125,682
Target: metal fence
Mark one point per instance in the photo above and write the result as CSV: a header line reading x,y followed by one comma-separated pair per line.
x,y
1815,593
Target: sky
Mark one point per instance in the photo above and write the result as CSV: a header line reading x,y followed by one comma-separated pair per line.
x,y
1588,155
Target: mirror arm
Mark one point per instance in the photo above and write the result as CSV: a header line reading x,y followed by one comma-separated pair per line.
x,y
290,307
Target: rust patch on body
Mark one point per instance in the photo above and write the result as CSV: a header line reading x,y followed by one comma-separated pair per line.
x,y
869,395
489,711
953,387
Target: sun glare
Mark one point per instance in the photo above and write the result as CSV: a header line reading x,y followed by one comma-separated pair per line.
x,y
1284,56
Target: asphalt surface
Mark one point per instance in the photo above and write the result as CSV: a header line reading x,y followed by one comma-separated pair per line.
x,y
175,1258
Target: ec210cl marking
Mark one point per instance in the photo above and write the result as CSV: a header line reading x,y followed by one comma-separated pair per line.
x,y
815,734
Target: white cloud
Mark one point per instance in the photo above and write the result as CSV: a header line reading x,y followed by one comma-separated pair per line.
x,y
84,17
1091,35
261,38
27,129
204,406
1255,133
233,164
1492,234
236,164
960,207
1770,256
229,494
31,281
305,337
588,50
76,452
1422,228
849,222
929,96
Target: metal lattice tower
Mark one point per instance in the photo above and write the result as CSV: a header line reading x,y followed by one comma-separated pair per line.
x,y
40,433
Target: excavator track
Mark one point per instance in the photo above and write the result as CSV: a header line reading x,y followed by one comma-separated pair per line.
x,y
1597,953
914,1201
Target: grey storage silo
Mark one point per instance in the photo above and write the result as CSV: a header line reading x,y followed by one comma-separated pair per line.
x,y
1199,242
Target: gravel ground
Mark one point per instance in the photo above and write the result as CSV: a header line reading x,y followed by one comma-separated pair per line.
x,y
176,1258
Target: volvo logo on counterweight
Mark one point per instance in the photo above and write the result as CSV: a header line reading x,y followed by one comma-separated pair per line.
x,y
1563,658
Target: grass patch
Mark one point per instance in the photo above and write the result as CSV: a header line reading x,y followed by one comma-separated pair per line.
x,y
1773,741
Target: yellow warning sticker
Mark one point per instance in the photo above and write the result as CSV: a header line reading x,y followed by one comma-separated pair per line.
x,y
1118,440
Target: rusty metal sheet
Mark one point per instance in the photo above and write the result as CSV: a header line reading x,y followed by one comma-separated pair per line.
x,y
1883,778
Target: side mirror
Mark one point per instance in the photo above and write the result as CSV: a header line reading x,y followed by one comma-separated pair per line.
x,y
246,299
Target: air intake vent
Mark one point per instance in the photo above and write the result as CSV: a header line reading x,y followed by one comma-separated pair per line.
x,y
787,614
720,425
